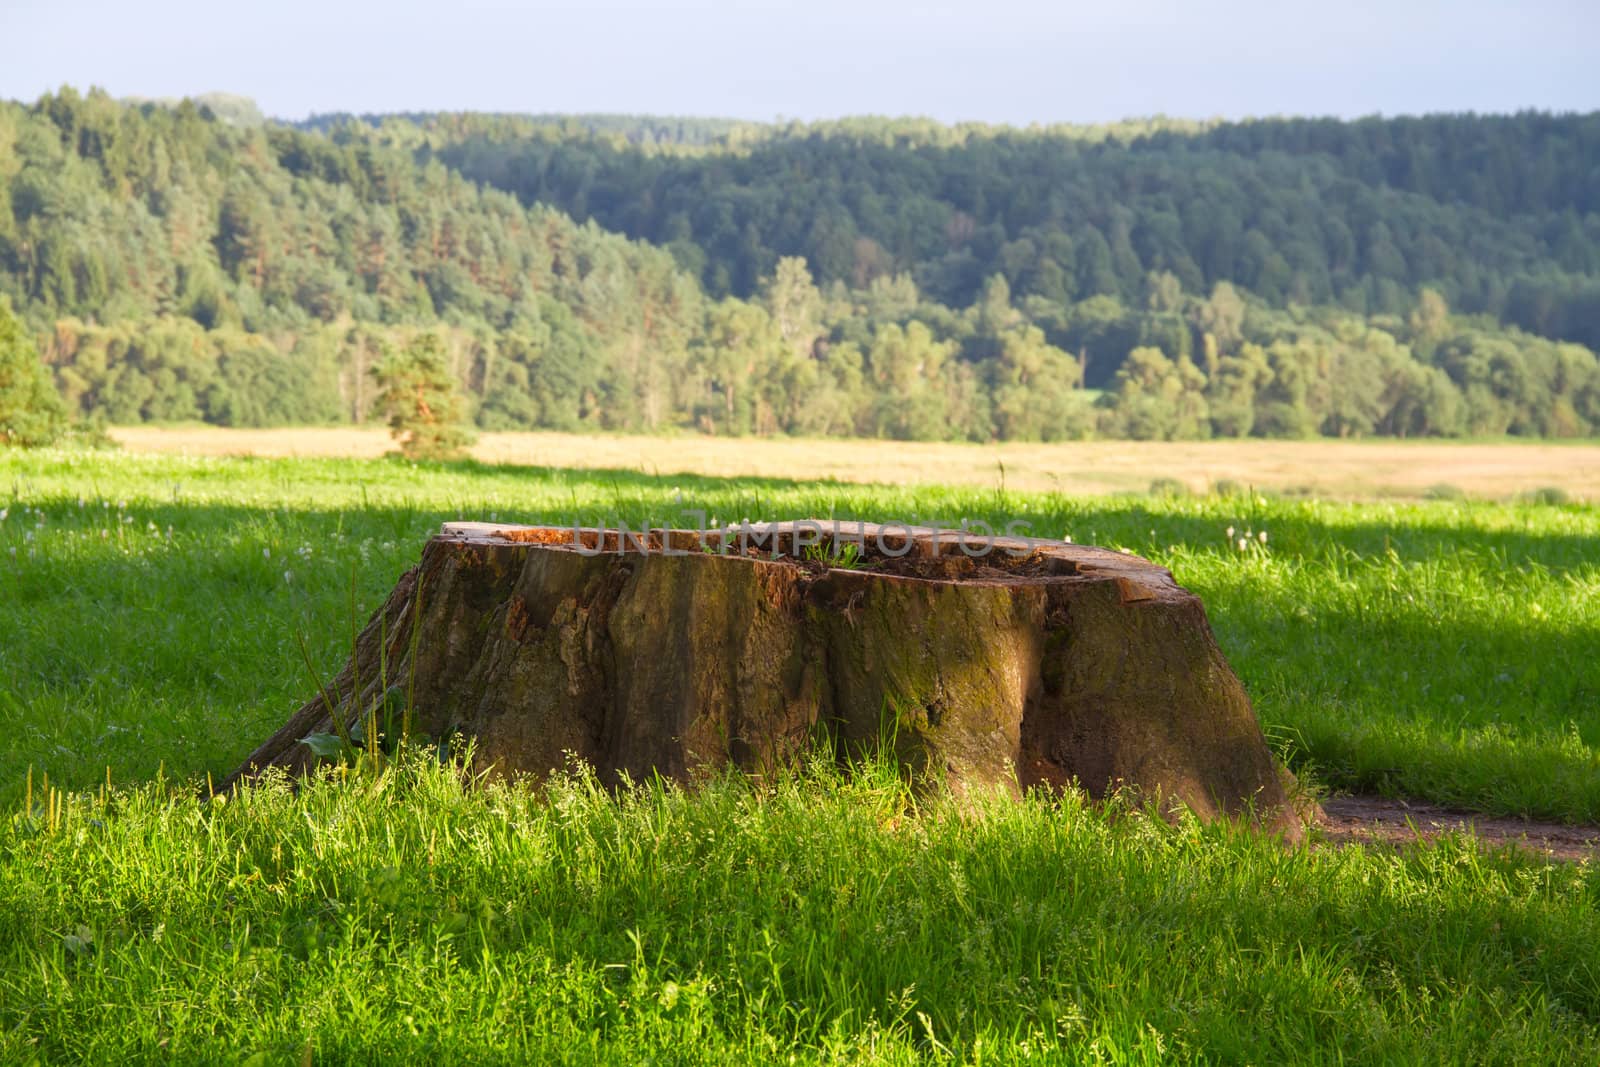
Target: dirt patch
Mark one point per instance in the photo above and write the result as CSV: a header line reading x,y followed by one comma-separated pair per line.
x,y
1382,821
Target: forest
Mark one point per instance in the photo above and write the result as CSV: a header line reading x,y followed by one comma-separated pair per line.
x,y
1436,276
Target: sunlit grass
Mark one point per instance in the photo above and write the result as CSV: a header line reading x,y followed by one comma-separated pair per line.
x,y
839,919
149,613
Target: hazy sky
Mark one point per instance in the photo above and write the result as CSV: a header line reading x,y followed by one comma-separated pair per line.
x,y
995,60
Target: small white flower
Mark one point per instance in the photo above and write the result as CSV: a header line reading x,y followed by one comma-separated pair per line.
x,y
3,513
1243,544
1067,539
1262,536
288,577
266,553
1230,533
104,533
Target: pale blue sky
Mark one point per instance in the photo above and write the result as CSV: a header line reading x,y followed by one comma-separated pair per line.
x,y
994,60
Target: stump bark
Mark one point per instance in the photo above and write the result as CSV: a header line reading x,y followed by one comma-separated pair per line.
x,y
980,662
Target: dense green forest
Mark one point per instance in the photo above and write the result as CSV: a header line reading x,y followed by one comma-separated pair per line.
x,y
1499,214
1435,276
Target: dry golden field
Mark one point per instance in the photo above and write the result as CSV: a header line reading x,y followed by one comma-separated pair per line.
x,y
1346,469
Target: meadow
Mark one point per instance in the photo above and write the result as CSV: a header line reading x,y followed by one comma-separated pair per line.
x,y
150,606
1369,468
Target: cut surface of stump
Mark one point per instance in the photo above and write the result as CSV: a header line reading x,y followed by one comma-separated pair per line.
x,y
996,661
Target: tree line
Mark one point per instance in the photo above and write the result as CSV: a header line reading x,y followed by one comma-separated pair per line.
x,y
172,266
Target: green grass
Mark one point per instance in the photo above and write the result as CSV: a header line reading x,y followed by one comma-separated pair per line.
x,y
1446,650
409,919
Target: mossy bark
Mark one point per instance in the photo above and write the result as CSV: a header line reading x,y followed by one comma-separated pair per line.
x,y
1036,663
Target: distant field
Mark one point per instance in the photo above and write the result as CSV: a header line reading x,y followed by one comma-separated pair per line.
x,y
1340,469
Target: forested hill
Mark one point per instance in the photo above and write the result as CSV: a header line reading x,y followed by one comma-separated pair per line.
x,y
1499,214
184,267
1159,279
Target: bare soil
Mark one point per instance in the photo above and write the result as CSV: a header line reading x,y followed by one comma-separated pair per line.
x,y
1397,822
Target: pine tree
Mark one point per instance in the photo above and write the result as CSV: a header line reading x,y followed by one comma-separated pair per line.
x,y
426,413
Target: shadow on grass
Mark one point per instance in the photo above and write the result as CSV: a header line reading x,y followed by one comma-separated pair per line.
x,y
1312,529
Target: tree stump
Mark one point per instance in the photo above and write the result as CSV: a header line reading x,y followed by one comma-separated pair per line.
x,y
979,661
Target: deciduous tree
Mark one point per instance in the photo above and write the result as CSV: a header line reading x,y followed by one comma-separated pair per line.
x,y
31,412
